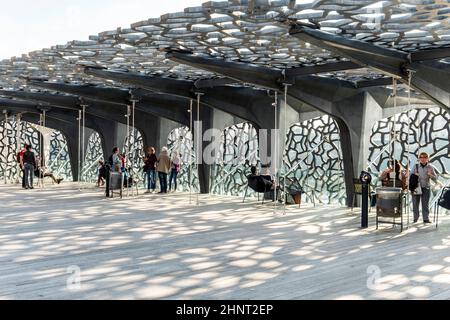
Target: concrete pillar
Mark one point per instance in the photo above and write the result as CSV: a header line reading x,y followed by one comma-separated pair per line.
x,y
357,115
166,127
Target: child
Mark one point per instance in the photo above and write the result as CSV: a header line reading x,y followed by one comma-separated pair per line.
x,y
101,173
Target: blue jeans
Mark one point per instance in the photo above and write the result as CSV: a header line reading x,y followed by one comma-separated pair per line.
x,y
151,179
173,176
163,181
28,173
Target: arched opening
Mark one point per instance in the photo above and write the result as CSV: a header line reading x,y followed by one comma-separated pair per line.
x,y
180,140
429,129
313,158
238,152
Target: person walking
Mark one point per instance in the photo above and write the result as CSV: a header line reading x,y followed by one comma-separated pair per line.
x,y
175,165
163,168
28,163
425,172
150,169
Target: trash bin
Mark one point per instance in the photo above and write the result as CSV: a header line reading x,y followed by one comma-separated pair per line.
x,y
389,202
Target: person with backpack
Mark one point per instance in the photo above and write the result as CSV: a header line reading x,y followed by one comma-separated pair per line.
x,y
19,160
424,172
115,161
175,164
28,162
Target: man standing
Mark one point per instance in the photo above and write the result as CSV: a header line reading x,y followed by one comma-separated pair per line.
x,y
426,172
28,163
20,161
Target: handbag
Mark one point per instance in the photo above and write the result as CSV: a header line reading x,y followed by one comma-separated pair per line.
x,y
444,199
414,182
418,190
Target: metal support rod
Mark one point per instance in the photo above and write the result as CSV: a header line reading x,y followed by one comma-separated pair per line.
x,y
133,160
6,124
127,144
284,147
275,152
190,152
394,127
79,146
199,142
42,158
18,143
408,147
40,146
44,124
83,150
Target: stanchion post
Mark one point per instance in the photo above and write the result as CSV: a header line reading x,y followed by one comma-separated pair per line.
x,y
6,123
18,134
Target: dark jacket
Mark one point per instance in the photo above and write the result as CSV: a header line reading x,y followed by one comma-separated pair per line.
x,y
150,162
28,157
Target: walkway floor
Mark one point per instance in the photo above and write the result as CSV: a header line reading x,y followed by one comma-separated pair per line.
x,y
160,247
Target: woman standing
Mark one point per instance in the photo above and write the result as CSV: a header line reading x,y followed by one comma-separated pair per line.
x,y
115,160
175,165
163,168
150,169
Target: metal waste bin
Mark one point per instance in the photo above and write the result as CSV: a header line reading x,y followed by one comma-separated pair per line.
x,y
389,205
389,202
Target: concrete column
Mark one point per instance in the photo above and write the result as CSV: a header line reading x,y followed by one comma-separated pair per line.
x,y
166,127
357,115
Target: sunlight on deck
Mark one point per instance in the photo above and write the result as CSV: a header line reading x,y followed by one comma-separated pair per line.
x,y
160,247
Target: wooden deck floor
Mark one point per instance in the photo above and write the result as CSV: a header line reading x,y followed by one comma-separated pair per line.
x,y
160,247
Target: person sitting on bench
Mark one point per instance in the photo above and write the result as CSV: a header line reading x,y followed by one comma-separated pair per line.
x,y
394,173
41,172
259,183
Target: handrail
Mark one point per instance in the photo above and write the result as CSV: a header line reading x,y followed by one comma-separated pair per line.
x,y
325,139
57,156
60,168
379,154
438,195
84,170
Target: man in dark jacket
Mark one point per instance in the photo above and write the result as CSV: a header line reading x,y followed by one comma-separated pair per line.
x,y
19,160
28,162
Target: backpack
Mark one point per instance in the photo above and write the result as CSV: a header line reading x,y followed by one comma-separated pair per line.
x,y
413,181
19,156
111,161
444,199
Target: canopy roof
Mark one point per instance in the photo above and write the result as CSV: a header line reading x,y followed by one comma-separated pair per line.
x,y
250,31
